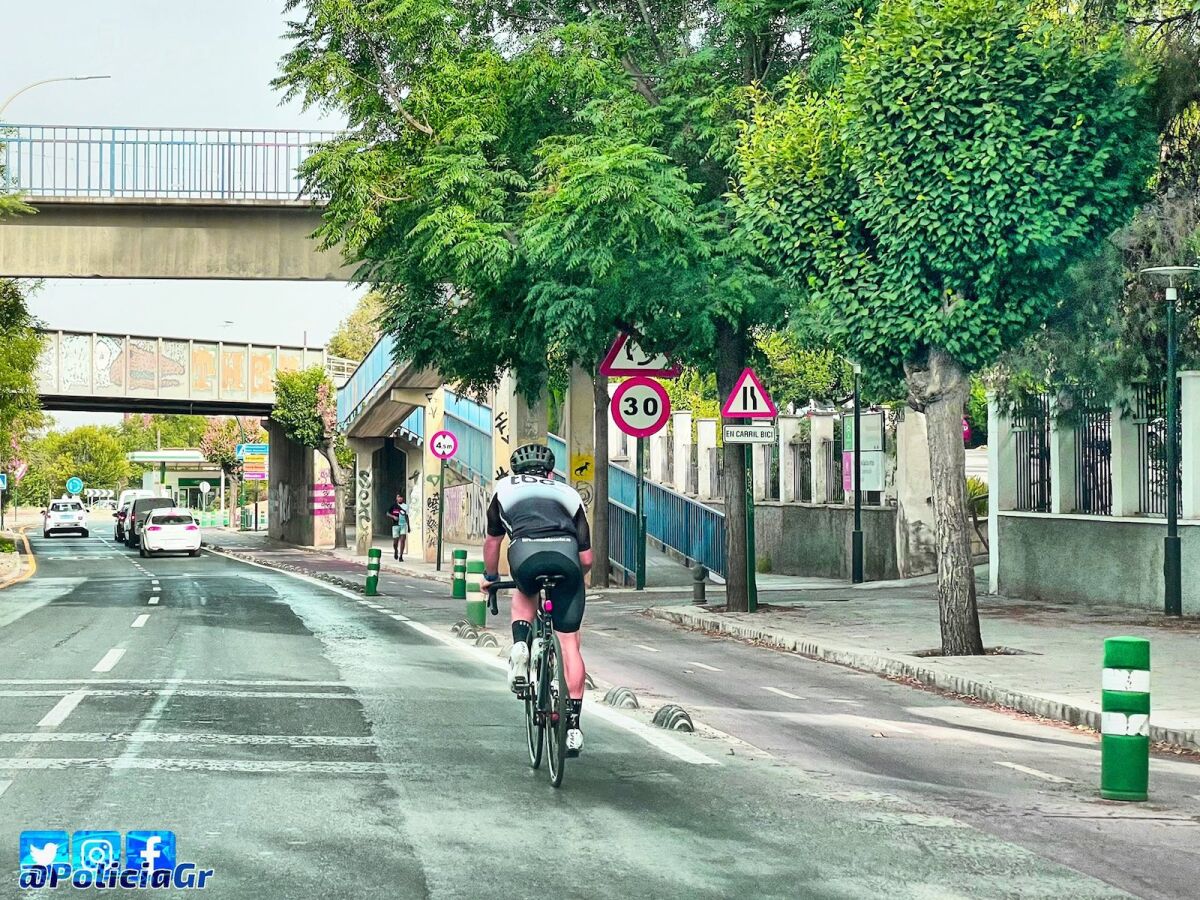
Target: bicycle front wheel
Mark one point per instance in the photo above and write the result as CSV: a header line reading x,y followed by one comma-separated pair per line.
x,y
560,705
535,721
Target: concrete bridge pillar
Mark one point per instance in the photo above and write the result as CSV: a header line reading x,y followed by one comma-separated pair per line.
x,y
427,513
294,472
514,422
581,436
681,430
706,442
366,511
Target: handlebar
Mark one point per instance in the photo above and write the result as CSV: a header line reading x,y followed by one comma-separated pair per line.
x,y
491,587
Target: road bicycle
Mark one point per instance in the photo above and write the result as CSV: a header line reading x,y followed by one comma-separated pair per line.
x,y
547,703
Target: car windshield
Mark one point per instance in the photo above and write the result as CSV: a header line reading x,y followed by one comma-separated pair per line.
x,y
174,519
65,507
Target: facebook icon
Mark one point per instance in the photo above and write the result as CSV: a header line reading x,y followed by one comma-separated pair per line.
x,y
150,849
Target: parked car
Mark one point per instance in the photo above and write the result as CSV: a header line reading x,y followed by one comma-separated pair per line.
x,y
64,515
170,530
137,516
121,516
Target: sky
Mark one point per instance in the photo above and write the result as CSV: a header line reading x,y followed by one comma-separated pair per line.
x,y
172,64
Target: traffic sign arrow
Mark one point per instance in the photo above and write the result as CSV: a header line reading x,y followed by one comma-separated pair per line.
x,y
749,399
625,357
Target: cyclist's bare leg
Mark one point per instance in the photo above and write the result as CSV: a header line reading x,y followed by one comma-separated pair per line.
x,y
523,608
573,664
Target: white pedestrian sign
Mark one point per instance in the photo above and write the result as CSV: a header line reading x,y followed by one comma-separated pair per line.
x,y
205,487
749,399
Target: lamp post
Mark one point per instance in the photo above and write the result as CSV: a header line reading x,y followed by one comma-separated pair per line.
x,y
17,93
856,537
1172,567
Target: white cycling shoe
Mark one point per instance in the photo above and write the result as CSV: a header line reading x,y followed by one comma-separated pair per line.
x,y
518,667
574,741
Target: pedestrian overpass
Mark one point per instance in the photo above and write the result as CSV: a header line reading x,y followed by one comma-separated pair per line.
x,y
199,203
134,373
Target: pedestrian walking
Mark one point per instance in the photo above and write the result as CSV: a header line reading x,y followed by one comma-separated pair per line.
x,y
399,516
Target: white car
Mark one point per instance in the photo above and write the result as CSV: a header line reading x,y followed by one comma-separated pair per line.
x,y
172,530
64,515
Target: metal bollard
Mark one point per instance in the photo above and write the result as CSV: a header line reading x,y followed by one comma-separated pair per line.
x,y
476,599
458,582
699,574
1125,719
373,557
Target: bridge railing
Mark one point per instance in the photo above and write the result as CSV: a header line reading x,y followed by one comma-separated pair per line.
x,y
66,161
353,396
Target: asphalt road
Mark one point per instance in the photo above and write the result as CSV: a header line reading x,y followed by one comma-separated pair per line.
x,y
305,742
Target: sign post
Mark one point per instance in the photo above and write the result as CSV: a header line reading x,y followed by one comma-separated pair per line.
x,y
640,407
3,496
444,445
749,400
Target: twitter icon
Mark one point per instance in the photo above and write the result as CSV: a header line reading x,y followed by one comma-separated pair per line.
x,y
45,848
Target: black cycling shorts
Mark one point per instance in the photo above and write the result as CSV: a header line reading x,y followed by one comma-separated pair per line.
x,y
530,557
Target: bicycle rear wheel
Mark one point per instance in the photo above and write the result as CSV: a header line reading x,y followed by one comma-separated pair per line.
x,y
535,724
560,705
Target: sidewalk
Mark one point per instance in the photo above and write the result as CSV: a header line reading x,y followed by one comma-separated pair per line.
x,y
1049,664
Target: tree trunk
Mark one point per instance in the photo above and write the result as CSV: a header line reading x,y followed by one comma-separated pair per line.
x,y
235,508
339,495
731,360
940,388
599,522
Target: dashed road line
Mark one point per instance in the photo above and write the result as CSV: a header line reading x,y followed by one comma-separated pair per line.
x,y
1036,773
188,737
111,658
153,601
647,648
140,621
400,618
700,665
62,709
781,692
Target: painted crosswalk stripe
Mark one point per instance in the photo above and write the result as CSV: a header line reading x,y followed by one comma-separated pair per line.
x,y
781,693
701,665
140,621
62,709
5,784
1036,773
111,658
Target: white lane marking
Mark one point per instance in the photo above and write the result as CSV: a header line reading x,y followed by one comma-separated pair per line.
x,y
190,737
140,621
267,767
111,658
781,693
656,737
153,601
154,581
156,589
400,618
1036,773
846,702
600,601
647,649
198,681
62,709
5,784
151,692
153,715
701,665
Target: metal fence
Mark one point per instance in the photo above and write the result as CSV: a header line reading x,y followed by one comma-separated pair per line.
x,y
185,163
1093,459
695,531
1150,419
716,483
1031,434
801,472
622,541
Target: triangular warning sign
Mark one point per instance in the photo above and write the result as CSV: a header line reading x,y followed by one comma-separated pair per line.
x,y
748,399
625,357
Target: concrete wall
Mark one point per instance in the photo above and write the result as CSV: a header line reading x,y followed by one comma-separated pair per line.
x,y
802,539
294,471
1092,559
100,238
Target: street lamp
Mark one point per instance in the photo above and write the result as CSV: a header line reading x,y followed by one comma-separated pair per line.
x,y
1172,576
13,96
856,537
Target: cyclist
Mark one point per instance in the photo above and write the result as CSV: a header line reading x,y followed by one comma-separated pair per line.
x,y
548,529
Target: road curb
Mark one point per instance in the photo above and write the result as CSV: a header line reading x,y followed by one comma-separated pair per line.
x,y
26,565
904,667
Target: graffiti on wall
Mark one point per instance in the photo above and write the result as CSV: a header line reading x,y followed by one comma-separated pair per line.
x,y
75,358
204,369
432,505
108,363
172,366
262,373
233,372
363,499
465,517
280,504
143,365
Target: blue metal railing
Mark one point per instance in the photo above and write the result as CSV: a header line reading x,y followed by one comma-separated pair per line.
x,y
694,530
559,446
471,423
185,163
359,387
622,540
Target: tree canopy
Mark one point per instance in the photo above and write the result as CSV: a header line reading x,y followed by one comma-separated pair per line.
x,y
357,333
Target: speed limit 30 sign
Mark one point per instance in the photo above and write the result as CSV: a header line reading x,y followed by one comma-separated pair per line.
x,y
640,407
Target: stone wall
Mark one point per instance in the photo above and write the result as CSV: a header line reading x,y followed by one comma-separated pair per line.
x,y
814,541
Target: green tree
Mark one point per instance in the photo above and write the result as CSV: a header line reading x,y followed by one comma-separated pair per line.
x,y
357,333
519,180
973,150
306,407
20,346
219,443
93,453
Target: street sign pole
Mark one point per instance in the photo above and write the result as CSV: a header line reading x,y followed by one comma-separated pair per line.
x,y
856,538
1173,580
640,515
751,554
441,509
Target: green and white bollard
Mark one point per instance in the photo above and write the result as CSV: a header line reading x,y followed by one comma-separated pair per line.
x,y
1125,719
373,557
476,598
458,583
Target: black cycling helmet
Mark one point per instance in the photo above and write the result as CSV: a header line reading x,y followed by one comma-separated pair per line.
x,y
532,459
